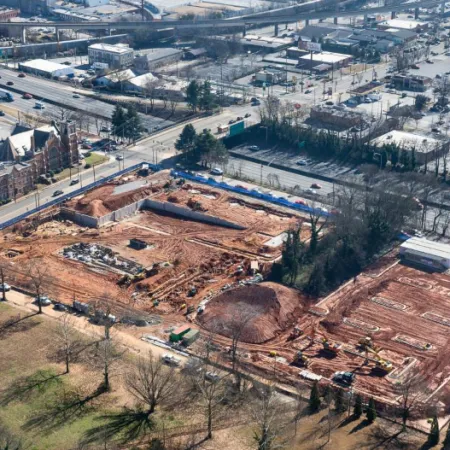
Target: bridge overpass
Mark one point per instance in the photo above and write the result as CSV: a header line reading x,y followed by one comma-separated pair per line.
x,y
235,22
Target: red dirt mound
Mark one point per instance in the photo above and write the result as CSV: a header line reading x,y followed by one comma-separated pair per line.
x,y
260,310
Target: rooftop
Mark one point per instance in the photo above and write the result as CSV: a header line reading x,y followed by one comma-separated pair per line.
x,y
326,57
423,245
403,24
119,49
142,80
421,143
45,65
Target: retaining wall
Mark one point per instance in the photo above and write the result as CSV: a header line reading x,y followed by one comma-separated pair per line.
x,y
78,218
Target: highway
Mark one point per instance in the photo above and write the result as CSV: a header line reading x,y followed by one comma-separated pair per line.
x,y
289,16
61,94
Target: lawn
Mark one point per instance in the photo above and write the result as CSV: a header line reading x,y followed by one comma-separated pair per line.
x,y
95,159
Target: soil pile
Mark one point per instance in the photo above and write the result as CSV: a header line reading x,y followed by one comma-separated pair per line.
x,y
260,310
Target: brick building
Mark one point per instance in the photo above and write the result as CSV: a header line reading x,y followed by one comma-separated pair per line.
x,y
29,153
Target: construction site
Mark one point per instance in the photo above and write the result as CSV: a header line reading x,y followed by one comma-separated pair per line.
x,y
185,253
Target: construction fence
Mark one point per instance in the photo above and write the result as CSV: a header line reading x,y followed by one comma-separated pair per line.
x,y
281,201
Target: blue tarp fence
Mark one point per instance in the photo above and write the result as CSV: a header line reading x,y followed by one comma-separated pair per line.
x,y
251,193
63,198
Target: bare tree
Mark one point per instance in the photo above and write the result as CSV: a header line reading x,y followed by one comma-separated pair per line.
x,y
36,270
317,225
153,384
67,341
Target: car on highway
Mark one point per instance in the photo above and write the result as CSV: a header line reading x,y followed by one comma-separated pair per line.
x,y
436,130
329,103
119,158
316,186
57,193
10,83
27,96
231,121
253,148
67,63
308,91
238,118
171,360
5,287
311,191
21,75
256,103
415,66
301,202
302,162
74,181
216,171
247,115
2,113
43,300
429,61
76,96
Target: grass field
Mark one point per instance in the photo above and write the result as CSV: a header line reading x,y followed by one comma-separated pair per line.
x,y
95,159
50,410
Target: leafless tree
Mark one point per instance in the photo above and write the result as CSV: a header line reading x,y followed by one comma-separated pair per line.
x,y
36,271
410,391
173,104
271,414
68,344
60,113
317,222
154,384
150,91
8,441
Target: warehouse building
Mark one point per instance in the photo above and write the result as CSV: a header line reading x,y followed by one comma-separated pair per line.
x,y
45,68
430,254
324,60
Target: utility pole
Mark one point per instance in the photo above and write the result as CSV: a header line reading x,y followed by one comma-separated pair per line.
x,y
142,10
3,284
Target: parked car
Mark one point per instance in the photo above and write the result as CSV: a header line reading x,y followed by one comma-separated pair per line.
x,y
5,287
74,181
212,376
171,360
329,103
308,91
21,75
216,171
60,307
253,148
27,96
256,103
43,300
119,158
239,118
436,130
316,186
57,193
429,61
231,121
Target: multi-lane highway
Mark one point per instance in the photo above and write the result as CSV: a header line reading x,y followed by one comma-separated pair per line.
x,y
61,94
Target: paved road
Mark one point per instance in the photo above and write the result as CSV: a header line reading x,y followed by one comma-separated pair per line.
x,y
45,90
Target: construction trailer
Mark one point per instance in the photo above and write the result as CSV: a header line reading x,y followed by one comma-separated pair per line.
x,y
137,244
190,337
429,254
178,333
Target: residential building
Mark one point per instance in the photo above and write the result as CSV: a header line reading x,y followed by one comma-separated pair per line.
x,y
29,153
116,56
8,13
115,79
141,83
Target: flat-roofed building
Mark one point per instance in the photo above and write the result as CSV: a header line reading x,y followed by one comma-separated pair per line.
x,y
116,56
430,254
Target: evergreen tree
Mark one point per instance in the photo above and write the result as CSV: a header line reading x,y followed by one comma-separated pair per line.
x,y
193,95
209,150
357,410
118,121
314,399
133,127
371,411
206,98
433,437
186,141
446,444
316,283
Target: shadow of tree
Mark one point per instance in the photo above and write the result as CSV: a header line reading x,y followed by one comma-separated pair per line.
x,y
17,324
63,407
126,425
360,426
25,387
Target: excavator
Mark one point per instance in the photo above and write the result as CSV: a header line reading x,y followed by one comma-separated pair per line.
x,y
367,342
300,360
296,332
381,365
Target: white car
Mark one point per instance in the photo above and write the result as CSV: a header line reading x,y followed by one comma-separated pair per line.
x,y
43,300
311,191
119,158
171,360
5,287
216,171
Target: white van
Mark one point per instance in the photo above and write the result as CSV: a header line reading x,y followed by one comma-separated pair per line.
x,y
39,105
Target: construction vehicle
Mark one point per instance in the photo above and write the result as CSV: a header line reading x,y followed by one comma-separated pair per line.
x,y
367,342
300,360
381,365
346,378
331,347
273,353
296,332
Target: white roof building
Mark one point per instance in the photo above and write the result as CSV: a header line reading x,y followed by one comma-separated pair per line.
x,y
46,68
404,24
420,143
139,83
428,253
326,57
